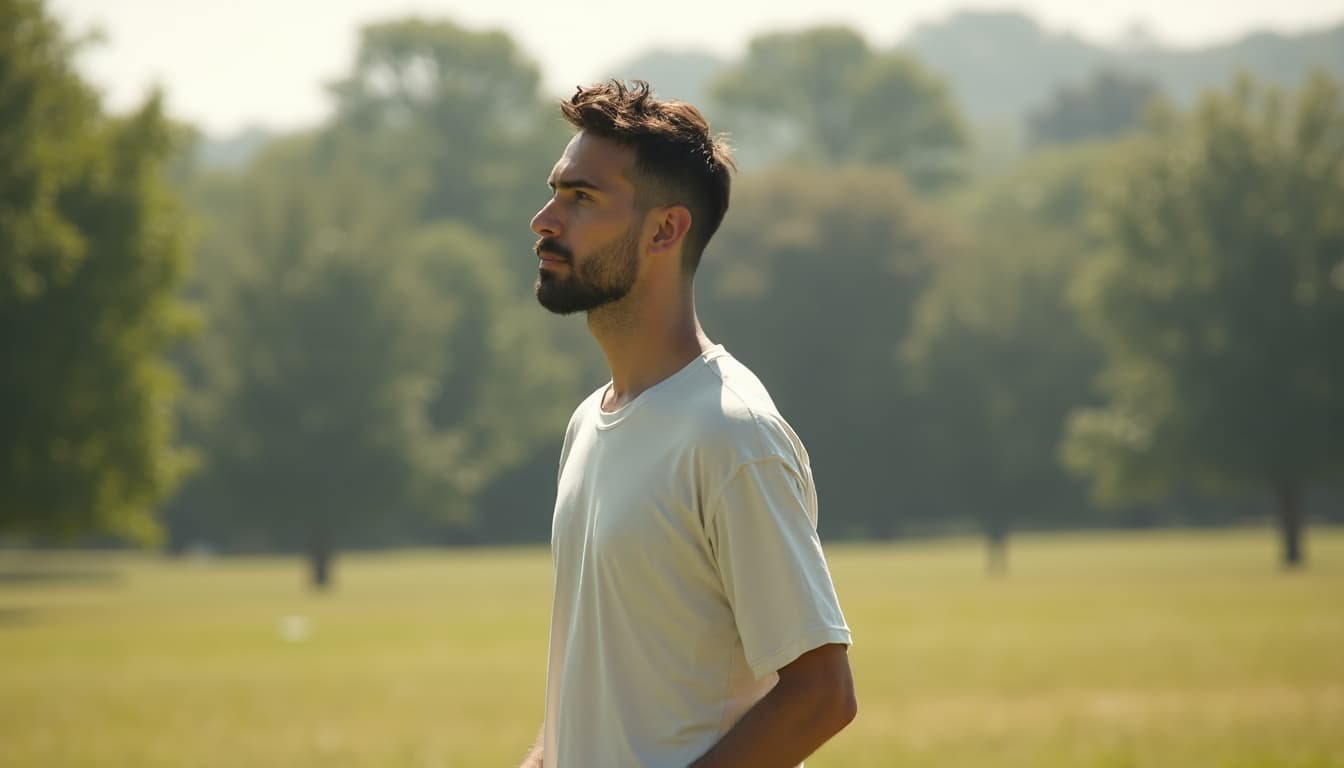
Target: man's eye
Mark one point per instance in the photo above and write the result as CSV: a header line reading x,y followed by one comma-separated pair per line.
x,y
579,194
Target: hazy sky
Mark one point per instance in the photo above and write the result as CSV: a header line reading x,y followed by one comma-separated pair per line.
x,y
229,63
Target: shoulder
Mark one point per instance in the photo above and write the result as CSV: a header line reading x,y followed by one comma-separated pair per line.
x,y
737,418
586,407
583,413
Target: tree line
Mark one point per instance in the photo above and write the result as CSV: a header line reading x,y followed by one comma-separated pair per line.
x,y
335,345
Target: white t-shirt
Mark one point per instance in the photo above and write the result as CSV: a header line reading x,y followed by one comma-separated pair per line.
x,y
687,569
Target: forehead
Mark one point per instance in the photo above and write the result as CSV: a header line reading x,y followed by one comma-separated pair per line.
x,y
596,160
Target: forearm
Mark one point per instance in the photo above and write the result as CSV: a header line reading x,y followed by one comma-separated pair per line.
x,y
784,727
534,755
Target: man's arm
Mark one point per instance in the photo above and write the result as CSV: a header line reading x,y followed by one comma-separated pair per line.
x,y
813,700
533,759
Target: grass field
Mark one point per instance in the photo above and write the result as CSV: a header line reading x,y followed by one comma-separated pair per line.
x,y
1170,649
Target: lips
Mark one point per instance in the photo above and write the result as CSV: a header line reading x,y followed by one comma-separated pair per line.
x,y
549,250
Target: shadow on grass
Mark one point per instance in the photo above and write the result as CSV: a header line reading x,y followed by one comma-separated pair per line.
x,y
13,617
49,575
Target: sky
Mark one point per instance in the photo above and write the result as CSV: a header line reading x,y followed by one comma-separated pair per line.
x,y
229,64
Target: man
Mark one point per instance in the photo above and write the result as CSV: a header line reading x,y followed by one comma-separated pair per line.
x,y
694,621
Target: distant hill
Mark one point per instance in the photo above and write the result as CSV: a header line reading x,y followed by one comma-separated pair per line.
x,y
230,152
1282,59
683,75
1002,64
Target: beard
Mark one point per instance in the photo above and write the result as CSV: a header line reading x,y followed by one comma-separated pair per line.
x,y
604,276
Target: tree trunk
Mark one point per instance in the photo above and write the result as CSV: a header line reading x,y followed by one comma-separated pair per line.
x,y
320,555
996,540
1291,523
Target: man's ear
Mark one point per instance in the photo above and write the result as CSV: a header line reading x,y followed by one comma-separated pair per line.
x,y
672,223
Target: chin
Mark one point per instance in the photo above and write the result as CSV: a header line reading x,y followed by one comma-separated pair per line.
x,y
552,301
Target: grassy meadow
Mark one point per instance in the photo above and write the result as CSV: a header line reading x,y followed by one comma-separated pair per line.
x,y
1157,649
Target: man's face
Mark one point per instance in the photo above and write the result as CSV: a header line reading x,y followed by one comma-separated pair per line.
x,y
590,228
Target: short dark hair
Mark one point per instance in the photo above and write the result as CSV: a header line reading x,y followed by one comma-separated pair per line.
x,y
677,159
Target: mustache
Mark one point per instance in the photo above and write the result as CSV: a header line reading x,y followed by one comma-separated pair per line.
x,y
549,245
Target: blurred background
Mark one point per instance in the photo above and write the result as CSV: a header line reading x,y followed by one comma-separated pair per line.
x,y
1054,293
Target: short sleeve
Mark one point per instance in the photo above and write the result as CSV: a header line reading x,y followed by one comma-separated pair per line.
x,y
762,527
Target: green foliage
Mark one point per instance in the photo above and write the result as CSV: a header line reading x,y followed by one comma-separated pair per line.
x,y
305,412
1106,107
361,373
372,364
500,388
812,283
92,250
372,367
823,97
455,112
1220,306
998,358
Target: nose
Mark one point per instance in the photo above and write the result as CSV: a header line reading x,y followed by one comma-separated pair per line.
x,y
547,223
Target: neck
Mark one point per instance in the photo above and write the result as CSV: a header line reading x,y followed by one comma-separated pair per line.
x,y
646,340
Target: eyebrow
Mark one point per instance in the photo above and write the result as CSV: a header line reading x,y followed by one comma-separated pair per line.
x,y
573,184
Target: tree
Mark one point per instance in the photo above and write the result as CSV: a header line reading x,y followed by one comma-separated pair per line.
x,y
1220,306
456,112
1106,107
362,375
812,282
822,96
459,115
998,356
92,250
